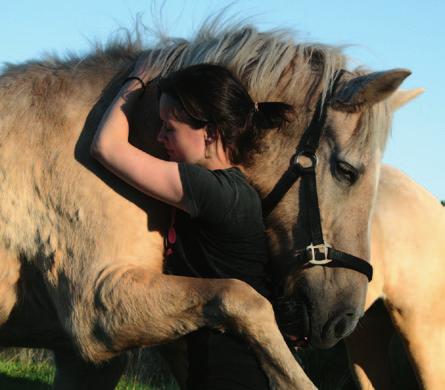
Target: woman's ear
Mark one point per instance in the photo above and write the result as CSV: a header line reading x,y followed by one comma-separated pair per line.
x,y
211,134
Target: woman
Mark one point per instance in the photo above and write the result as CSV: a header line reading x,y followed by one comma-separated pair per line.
x,y
217,229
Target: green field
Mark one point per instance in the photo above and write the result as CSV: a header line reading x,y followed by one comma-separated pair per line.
x,y
39,376
27,369
15,375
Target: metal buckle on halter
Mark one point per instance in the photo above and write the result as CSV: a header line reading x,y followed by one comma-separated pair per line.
x,y
312,157
318,249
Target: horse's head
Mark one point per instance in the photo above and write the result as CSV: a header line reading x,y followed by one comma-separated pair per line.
x,y
322,300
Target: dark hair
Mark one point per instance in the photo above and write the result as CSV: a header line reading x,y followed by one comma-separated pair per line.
x,y
212,96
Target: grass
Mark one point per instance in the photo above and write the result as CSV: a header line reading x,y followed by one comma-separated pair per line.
x,y
39,376
27,369
16,375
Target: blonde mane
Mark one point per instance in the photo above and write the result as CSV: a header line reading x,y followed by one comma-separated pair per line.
x,y
259,59
262,60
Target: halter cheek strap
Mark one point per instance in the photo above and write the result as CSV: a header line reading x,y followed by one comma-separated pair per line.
x,y
317,252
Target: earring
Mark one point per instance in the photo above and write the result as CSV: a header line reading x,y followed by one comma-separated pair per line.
x,y
207,141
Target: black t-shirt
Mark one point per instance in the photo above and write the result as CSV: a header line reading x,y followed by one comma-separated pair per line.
x,y
223,237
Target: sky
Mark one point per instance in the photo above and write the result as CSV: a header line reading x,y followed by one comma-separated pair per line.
x,y
381,34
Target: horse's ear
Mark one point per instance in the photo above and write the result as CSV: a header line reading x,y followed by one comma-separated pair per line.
x,y
368,89
403,96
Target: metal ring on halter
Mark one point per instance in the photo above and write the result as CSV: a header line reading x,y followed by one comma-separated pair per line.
x,y
311,156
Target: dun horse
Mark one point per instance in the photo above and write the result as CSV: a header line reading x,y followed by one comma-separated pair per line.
x,y
408,257
82,253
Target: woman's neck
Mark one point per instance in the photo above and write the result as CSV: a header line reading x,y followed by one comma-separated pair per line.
x,y
217,158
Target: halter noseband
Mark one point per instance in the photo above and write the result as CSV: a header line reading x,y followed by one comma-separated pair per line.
x,y
318,252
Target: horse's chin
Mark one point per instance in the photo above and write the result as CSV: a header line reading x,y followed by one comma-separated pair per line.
x,y
318,343
294,321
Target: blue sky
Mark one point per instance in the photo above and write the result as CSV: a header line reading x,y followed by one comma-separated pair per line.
x,y
384,34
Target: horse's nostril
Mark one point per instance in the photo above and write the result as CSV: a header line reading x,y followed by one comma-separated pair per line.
x,y
339,326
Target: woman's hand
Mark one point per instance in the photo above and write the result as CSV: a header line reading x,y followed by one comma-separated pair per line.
x,y
113,128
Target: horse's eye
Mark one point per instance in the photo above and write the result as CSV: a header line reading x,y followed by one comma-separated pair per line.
x,y
346,172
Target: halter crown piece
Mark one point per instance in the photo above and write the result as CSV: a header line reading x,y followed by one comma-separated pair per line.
x,y
303,164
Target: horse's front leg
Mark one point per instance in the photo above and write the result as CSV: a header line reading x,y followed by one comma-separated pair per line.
x,y
421,328
250,314
159,308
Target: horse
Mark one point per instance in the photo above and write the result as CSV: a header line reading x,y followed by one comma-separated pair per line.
x,y
407,254
82,253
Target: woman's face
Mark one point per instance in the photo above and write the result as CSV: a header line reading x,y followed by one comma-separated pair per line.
x,y
182,142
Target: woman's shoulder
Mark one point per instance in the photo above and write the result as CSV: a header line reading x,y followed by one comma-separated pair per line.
x,y
226,178
209,194
217,193
235,180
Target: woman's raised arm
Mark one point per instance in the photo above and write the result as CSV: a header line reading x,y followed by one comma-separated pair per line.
x,y
154,177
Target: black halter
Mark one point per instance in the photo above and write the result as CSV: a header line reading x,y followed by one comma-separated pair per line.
x,y
317,252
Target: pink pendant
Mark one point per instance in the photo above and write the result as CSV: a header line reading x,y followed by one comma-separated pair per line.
x,y
171,235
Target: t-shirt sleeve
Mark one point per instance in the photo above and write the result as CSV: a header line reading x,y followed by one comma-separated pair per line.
x,y
207,194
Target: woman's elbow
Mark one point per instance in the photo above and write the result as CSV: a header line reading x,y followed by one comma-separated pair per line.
x,y
97,151
94,150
